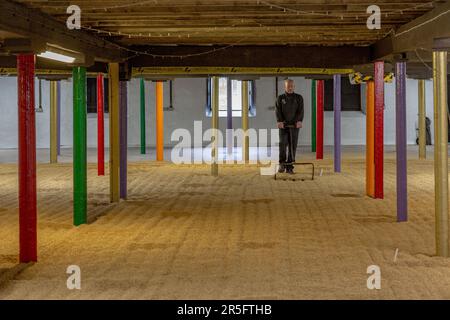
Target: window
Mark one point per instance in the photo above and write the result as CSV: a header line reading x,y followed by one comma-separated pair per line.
x,y
350,95
92,95
230,91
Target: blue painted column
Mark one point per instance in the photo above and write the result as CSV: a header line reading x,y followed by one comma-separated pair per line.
x,y
402,194
337,122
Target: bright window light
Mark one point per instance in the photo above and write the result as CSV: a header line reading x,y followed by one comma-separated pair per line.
x,y
236,97
56,56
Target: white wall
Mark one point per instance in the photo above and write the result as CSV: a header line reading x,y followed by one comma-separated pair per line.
x,y
189,103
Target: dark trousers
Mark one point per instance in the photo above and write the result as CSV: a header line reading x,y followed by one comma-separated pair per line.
x,y
288,148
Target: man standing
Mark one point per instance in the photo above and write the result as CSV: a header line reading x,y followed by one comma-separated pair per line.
x,y
289,112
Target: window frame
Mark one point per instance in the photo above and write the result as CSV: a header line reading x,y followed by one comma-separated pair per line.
x,y
252,92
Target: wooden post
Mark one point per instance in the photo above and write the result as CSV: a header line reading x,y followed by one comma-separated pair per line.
x,y
215,126
370,130
100,126
27,159
114,133
79,146
53,121
422,121
337,122
402,190
159,122
379,129
245,106
441,152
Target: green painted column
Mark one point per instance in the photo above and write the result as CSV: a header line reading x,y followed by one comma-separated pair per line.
x,y
313,115
79,147
143,142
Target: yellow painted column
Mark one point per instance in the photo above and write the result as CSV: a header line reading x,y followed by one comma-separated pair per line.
x,y
245,105
215,127
370,140
422,121
441,152
53,122
114,133
159,121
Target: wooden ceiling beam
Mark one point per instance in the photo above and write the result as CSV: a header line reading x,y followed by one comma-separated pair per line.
x,y
44,29
255,56
417,34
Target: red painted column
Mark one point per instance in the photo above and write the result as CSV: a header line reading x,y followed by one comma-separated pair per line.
x,y
27,159
320,97
100,126
379,128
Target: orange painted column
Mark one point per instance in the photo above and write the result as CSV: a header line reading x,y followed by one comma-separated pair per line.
x,y
159,122
370,130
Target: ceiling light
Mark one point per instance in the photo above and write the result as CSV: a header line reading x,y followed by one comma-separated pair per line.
x,y
57,57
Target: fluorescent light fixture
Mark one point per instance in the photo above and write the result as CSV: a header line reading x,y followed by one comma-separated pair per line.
x,y
56,56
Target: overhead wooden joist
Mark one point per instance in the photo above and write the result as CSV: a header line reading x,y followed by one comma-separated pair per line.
x,y
42,29
249,22
417,34
252,56
157,72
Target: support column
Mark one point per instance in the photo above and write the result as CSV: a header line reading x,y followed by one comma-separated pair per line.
x,y
58,121
379,128
123,139
229,117
402,191
100,126
337,123
143,142
53,122
313,115
114,134
422,121
215,126
441,152
27,159
159,121
245,105
79,147
319,142
370,131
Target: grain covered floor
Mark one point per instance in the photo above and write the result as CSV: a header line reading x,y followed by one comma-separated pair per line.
x,y
183,234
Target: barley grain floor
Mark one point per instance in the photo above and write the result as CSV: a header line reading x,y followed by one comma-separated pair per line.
x,y
183,234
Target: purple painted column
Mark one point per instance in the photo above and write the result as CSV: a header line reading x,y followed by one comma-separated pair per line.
x,y
229,117
402,193
337,122
58,117
123,139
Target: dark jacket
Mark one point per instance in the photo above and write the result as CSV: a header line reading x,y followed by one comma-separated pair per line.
x,y
289,108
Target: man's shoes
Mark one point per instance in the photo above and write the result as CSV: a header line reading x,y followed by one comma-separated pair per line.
x,y
290,170
281,169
